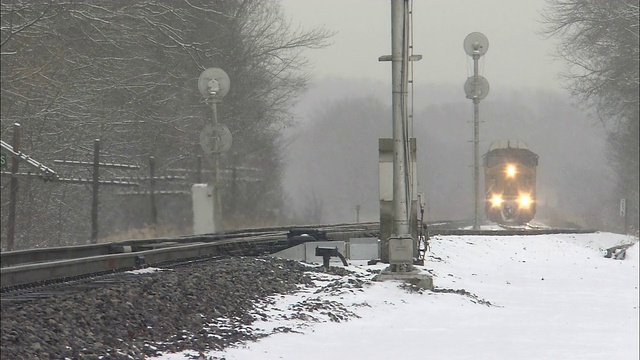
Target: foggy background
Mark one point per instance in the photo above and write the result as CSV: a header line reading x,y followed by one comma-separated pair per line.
x,y
307,104
334,153
333,156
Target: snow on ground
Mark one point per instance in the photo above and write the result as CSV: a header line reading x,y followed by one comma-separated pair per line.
x,y
525,297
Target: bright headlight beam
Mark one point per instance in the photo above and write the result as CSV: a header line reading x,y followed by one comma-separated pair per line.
x,y
496,200
524,200
511,170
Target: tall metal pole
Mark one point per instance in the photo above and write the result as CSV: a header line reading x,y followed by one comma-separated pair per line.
x,y
476,88
217,199
213,84
476,144
398,70
13,197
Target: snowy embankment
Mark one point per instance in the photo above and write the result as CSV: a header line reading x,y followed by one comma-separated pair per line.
x,y
525,297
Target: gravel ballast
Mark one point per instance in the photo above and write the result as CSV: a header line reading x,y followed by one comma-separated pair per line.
x,y
205,306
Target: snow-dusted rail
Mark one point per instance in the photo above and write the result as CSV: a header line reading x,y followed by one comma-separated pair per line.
x,y
508,232
38,266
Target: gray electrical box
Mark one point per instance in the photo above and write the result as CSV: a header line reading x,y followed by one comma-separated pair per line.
x,y
364,248
400,249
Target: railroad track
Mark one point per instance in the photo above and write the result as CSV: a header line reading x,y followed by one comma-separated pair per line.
x,y
508,232
463,227
35,267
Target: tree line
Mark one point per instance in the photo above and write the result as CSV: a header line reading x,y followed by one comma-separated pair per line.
x,y
598,40
126,73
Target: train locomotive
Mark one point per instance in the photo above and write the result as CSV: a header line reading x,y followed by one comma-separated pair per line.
x,y
510,183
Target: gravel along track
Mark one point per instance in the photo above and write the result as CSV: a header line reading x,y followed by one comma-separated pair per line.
x,y
204,306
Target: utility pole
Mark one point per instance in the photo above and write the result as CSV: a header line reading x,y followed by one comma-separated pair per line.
x,y
399,94
401,245
476,89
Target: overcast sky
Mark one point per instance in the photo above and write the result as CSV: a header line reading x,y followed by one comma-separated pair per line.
x,y
517,56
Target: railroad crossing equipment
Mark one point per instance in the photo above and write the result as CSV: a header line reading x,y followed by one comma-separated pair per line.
x,y
476,89
215,138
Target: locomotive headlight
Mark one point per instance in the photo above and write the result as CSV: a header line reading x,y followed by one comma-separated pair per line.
x,y
524,200
496,200
511,170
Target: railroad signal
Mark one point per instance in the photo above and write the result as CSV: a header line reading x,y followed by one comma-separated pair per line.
x,y
215,138
476,88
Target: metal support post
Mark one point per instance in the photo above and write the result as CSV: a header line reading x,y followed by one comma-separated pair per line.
x,y
398,69
217,199
476,145
400,242
215,139
476,89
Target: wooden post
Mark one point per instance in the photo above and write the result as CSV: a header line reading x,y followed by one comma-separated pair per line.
x,y
152,187
96,183
13,199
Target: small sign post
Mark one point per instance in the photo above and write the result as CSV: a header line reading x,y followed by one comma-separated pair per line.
x,y
623,213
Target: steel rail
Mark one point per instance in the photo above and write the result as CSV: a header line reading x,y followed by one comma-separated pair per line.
x,y
512,232
13,258
41,265
17,257
47,264
53,270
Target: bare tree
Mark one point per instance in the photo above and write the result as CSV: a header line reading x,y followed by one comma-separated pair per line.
x,y
126,72
599,42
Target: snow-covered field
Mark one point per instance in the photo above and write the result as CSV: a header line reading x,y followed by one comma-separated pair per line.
x,y
525,297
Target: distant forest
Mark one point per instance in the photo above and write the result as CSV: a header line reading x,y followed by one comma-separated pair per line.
x,y
126,73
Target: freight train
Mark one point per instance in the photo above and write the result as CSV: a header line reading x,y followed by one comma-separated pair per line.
x,y
510,182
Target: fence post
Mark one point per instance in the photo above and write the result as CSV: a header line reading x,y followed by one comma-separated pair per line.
x,y
152,188
96,183
13,198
